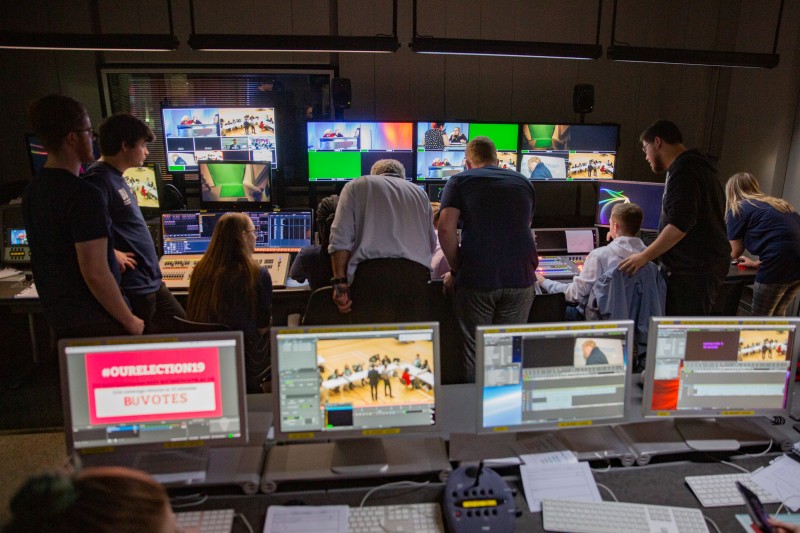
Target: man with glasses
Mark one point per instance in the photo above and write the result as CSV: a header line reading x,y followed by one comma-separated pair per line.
x,y
72,252
692,243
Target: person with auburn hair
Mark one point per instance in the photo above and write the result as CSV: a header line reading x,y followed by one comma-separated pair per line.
x,y
768,227
100,499
228,287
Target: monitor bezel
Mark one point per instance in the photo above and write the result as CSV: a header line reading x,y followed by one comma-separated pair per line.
x,y
235,206
236,336
149,212
597,202
648,375
434,429
556,327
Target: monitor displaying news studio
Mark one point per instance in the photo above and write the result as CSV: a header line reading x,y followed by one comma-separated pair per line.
x,y
715,367
441,146
342,150
193,134
569,151
544,376
154,390
235,185
147,185
359,382
648,196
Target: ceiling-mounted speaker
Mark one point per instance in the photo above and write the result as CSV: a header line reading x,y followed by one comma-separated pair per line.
x,y
583,98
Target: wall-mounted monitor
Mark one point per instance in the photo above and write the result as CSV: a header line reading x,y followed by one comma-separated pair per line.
x,y
147,185
646,195
196,134
441,146
341,151
235,185
37,155
569,151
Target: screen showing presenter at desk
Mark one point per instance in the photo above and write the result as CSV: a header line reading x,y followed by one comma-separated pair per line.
x,y
355,380
533,377
720,367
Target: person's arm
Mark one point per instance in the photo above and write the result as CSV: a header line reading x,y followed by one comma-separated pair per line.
x,y
737,248
445,139
783,527
94,269
341,291
669,237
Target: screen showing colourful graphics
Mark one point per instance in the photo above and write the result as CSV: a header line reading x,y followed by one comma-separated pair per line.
x,y
145,182
533,377
155,390
239,183
194,134
18,237
441,146
646,195
340,151
569,151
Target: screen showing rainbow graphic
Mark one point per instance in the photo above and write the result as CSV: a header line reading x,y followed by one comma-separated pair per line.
x,y
645,195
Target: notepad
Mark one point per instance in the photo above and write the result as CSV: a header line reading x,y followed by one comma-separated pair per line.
x,y
782,478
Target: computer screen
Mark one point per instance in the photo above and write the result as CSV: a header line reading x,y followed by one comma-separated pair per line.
x,y
197,133
283,231
228,185
569,151
146,184
646,195
340,151
17,237
545,376
37,155
709,367
441,146
154,390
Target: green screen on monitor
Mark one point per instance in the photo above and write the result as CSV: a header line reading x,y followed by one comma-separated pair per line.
x,y
326,165
504,135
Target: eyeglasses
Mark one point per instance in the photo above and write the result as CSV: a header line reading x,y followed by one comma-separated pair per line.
x,y
644,147
90,131
250,230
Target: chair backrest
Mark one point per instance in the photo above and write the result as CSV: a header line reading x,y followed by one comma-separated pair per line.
x,y
189,326
321,311
550,307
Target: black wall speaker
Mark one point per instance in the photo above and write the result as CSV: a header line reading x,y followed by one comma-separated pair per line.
x,y
341,93
583,98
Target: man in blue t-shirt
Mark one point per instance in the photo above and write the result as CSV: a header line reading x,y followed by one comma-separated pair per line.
x,y
493,268
123,144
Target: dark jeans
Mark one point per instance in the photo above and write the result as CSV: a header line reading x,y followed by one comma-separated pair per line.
x,y
693,294
390,290
157,309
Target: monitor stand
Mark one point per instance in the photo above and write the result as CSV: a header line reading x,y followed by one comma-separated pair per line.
x,y
705,435
359,456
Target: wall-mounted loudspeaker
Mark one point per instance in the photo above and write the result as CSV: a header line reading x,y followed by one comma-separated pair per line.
x,y
341,93
583,98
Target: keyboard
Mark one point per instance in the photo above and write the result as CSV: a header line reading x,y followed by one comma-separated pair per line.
x,y
209,521
411,518
721,491
614,517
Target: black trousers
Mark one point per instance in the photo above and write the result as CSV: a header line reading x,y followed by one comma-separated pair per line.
x,y
693,294
390,290
157,309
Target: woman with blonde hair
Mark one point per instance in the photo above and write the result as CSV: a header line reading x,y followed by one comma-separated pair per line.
x,y
768,227
229,287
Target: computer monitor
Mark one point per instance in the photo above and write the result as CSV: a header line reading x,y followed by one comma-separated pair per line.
x,y
715,367
233,185
147,185
544,376
154,391
187,232
283,231
342,151
646,195
37,155
569,151
441,146
359,383
196,133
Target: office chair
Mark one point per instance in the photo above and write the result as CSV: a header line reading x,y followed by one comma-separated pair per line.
x,y
173,199
188,326
321,311
548,307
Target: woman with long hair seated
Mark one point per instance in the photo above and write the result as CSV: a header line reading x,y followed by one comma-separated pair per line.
x,y
228,287
768,227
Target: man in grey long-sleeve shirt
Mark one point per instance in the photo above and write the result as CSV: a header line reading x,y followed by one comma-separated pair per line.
x,y
381,244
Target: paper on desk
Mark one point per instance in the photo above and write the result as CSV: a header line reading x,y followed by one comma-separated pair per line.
x,y
28,292
9,272
307,519
782,478
747,522
549,458
573,481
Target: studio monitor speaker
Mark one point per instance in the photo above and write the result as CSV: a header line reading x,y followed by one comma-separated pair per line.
x,y
341,93
583,98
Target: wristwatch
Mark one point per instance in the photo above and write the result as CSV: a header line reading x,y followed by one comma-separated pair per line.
x,y
338,281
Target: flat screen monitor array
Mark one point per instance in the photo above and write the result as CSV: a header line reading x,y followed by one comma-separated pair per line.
x,y
147,185
195,134
189,232
152,390
232,184
646,195
340,151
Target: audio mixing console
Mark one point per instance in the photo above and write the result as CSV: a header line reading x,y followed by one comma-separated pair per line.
x,y
560,266
176,270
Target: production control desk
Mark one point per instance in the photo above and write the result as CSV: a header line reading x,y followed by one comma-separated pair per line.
x,y
176,270
560,267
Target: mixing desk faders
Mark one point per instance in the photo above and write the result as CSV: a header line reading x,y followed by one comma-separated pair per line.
x,y
176,270
560,266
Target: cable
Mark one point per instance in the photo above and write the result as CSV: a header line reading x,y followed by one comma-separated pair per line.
x,y
245,521
606,469
202,499
769,447
707,519
737,467
609,491
393,484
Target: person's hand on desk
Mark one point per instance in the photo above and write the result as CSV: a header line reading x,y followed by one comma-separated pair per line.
x,y
746,262
632,264
783,527
126,261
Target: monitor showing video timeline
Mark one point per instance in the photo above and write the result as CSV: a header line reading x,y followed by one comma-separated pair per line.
x,y
569,151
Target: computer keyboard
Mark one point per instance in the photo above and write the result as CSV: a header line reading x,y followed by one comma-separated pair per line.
x,y
208,521
411,518
721,491
614,517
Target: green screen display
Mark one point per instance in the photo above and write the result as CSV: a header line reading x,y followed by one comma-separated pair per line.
x,y
327,165
504,135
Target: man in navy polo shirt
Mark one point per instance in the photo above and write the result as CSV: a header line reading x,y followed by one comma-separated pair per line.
x,y
123,144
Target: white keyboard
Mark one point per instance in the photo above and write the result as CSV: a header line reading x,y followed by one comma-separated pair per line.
x,y
411,518
209,521
721,491
614,517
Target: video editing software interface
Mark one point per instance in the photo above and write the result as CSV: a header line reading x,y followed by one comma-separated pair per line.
x,y
341,150
646,195
145,182
189,232
235,182
362,379
548,376
152,393
569,151
726,367
193,134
